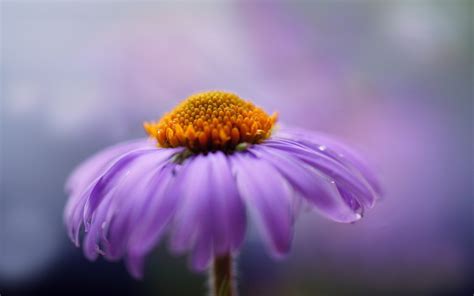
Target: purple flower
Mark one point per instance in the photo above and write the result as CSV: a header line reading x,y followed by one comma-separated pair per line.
x,y
220,161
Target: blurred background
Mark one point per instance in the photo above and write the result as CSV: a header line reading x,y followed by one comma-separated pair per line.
x,y
392,78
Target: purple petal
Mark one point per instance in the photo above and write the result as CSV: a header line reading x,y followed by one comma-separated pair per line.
x,y
343,176
79,208
121,204
132,197
228,211
112,176
158,213
84,174
74,213
268,197
211,218
320,190
332,148
135,266
79,184
202,252
351,201
91,244
192,219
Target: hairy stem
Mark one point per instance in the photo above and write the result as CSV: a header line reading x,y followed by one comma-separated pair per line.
x,y
222,282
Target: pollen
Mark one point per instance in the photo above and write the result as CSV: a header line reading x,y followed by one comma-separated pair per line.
x,y
213,120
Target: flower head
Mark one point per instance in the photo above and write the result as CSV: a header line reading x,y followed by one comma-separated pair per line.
x,y
219,159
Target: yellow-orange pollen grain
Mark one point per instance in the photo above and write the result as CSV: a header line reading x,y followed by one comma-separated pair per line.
x,y
213,120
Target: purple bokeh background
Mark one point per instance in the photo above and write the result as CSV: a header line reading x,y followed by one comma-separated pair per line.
x,y
394,79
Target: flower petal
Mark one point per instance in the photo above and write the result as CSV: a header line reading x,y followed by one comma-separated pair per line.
x,y
74,213
121,204
202,252
80,183
334,148
132,197
320,190
158,212
84,174
135,265
91,244
268,197
106,182
342,175
228,210
192,216
211,218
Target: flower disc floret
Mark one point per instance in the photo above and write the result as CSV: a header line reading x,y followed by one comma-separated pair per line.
x,y
210,121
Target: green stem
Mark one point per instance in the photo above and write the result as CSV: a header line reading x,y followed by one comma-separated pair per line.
x,y
222,280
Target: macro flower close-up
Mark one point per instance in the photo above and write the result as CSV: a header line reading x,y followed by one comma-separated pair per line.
x,y
234,147
212,163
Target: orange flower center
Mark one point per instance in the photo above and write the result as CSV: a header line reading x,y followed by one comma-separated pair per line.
x,y
213,120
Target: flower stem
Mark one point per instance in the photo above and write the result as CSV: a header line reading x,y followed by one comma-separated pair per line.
x,y
222,278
